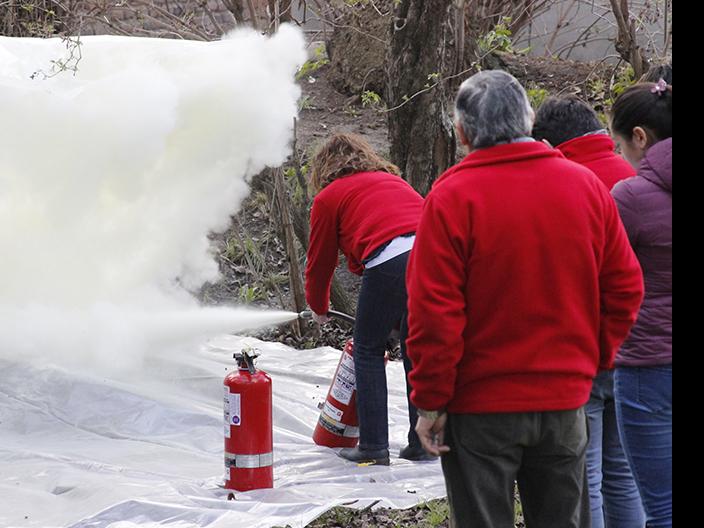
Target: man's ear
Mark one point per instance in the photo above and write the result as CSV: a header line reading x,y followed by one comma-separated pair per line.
x,y
462,136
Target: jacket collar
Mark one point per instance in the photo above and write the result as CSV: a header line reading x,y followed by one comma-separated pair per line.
x,y
500,154
587,148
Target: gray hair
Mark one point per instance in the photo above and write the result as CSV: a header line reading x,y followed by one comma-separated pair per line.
x,y
492,107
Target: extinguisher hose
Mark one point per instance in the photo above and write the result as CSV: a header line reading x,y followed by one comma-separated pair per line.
x,y
308,314
332,313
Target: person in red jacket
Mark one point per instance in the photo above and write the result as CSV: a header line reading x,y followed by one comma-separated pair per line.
x,y
366,210
522,285
574,127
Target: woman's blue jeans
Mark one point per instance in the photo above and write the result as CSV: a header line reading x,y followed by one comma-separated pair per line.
x,y
644,414
381,307
613,495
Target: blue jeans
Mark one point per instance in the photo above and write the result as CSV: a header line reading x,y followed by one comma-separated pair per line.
x,y
613,495
644,414
381,306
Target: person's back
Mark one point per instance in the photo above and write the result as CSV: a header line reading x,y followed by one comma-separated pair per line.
x,y
572,126
371,208
532,230
596,152
646,205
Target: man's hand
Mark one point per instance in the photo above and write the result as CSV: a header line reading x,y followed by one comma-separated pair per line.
x,y
320,319
432,434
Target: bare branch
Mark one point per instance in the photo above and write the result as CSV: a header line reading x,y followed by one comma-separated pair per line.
x,y
204,5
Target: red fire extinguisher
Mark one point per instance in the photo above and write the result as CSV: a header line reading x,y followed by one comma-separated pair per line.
x,y
249,440
338,425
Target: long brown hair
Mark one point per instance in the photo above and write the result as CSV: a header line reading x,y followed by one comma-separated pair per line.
x,y
343,155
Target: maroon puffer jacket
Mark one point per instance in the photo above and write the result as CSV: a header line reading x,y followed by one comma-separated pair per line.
x,y
645,204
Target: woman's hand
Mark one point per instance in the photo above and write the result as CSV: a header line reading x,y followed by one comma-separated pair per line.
x,y
320,319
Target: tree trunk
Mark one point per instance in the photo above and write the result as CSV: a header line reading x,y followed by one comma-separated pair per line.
x,y
421,133
236,7
626,42
284,11
286,218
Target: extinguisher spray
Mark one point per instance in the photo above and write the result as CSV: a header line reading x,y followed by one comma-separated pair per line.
x,y
249,442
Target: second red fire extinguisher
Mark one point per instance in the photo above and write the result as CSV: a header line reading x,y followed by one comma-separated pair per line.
x,y
338,425
249,442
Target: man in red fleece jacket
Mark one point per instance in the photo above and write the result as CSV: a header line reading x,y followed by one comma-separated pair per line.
x,y
571,125
522,284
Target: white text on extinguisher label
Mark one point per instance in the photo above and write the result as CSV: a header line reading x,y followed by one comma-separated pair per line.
x,y
345,381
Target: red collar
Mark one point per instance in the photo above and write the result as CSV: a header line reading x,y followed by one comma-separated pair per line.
x,y
508,153
586,148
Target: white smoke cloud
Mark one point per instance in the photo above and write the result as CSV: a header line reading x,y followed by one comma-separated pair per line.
x,y
112,178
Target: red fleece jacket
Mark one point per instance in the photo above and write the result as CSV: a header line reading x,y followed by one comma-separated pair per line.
x,y
597,153
522,283
356,214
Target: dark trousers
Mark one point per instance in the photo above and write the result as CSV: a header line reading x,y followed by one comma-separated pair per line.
x,y
381,306
544,452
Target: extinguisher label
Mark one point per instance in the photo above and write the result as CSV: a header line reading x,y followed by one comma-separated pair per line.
x,y
331,425
345,381
332,411
348,362
226,401
233,410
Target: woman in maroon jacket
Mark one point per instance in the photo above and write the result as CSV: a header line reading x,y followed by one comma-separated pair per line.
x,y
642,125
366,210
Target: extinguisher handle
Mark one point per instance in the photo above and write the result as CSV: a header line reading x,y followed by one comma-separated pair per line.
x,y
245,360
308,314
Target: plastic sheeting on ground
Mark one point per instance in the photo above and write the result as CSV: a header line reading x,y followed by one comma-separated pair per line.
x,y
85,451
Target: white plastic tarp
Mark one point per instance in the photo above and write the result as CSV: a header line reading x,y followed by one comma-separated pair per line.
x,y
82,450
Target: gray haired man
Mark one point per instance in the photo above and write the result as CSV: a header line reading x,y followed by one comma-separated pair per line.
x,y
522,285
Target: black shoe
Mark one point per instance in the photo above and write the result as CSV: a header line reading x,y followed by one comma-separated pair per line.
x,y
366,457
416,454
